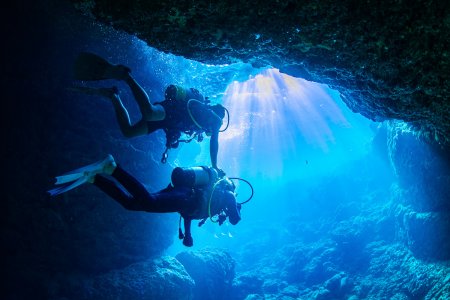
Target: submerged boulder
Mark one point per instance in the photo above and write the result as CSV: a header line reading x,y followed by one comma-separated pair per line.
x,y
247,283
212,271
163,278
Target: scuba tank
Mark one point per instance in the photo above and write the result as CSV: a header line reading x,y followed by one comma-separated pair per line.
x,y
179,93
181,120
193,176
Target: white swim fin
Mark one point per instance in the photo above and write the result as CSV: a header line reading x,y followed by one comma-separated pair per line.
x,y
77,177
68,186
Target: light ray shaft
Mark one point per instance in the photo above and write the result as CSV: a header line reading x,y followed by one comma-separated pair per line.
x,y
274,118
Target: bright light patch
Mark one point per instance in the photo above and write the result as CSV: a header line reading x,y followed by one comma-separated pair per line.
x,y
276,122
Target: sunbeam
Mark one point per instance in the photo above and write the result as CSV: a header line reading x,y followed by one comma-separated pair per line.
x,y
277,121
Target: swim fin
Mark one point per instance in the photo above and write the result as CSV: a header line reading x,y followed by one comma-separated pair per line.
x,y
67,187
77,173
90,66
82,175
105,92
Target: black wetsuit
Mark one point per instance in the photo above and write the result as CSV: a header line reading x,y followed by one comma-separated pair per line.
x,y
191,203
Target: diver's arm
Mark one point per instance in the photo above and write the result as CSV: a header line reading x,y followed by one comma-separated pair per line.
x,y
210,122
216,122
187,240
214,148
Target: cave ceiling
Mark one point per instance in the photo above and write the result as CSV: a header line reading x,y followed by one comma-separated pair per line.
x,y
388,59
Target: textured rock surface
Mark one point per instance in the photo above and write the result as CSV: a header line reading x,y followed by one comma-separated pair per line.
x,y
394,271
163,278
212,271
428,234
368,246
389,59
421,203
423,170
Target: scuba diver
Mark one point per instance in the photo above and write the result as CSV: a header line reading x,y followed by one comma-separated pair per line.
x,y
197,193
184,110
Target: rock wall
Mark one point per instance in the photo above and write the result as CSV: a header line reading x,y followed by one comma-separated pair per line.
x,y
422,207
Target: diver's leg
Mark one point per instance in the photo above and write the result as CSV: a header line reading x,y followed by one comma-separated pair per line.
x,y
136,197
128,130
123,119
149,111
111,188
167,200
130,183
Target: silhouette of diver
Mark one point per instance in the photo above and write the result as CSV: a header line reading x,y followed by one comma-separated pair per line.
x,y
184,110
196,193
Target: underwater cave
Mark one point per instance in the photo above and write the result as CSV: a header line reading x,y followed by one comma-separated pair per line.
x,y
338,117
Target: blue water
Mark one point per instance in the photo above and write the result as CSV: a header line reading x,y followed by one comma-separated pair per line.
x,y
285,135
331,218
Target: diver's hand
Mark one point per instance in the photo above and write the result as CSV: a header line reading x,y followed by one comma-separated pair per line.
x,y
220,172
188,241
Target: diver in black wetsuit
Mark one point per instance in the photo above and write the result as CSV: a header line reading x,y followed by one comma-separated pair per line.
x,y
196,193
184,110
190,201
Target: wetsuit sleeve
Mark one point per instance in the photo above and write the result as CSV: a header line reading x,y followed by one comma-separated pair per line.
x,y
187,240
232,207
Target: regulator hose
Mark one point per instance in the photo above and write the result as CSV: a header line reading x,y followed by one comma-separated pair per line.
x,y
214,188
195,121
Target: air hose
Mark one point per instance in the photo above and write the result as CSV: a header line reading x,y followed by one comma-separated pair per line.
x,y
249,184
195,121
214,188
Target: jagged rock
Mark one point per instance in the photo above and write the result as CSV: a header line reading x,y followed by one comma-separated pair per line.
x,y
277,297
273,286
247,283
291,291
321,294
389,59
338,285
427,234
163,278
423,171
212,271
321,264
394,270
353,234
441,290
254,297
